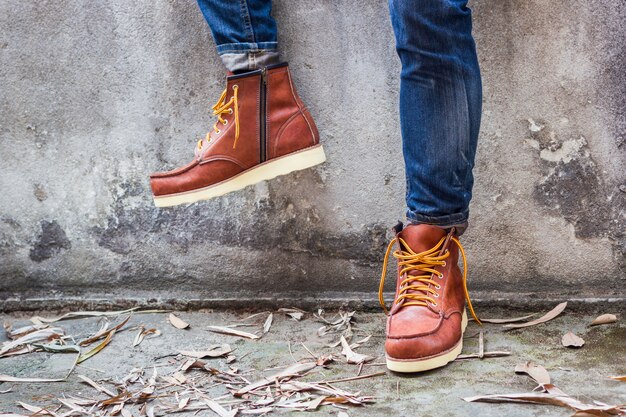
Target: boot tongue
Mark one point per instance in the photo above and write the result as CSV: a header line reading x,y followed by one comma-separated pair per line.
x,y
421,237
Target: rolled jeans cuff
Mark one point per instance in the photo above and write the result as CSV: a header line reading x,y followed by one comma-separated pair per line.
x,y
238,57
458,220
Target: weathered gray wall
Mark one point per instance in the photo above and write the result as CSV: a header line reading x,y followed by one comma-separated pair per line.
x,y
96,95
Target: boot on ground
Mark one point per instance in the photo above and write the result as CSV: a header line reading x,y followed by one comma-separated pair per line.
x,y
427,319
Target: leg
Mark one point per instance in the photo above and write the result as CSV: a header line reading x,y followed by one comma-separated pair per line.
x,y
440,106
263,128
244,31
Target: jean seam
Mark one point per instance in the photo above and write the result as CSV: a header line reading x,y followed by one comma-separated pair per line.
x,y
245,15
249,47
445,220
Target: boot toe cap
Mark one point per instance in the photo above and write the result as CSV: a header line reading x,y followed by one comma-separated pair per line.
x,y
170,182
423,341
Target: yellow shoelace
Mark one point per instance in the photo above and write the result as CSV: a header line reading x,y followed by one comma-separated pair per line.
x,y
424,262
224,107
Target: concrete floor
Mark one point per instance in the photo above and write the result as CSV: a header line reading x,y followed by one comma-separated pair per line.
x,y
582,372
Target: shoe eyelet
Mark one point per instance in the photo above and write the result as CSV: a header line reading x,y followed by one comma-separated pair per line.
x,y
436,295
230,111
444,263
218,132
446,251
225,122
434,304
437,287
235,87
440,276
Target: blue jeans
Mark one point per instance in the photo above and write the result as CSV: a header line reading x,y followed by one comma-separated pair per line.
x,y
440,92
244,31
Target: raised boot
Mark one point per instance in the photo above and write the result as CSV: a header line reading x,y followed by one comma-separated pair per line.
x,y
263,130
427,319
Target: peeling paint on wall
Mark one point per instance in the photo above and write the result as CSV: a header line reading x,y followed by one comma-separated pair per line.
x,y
572,186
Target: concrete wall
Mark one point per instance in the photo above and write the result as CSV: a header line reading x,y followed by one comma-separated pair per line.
x,y
96,95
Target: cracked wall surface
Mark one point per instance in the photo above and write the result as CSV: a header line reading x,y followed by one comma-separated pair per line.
x,y
96,95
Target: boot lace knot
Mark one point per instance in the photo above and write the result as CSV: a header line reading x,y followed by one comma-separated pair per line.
x,y
223,107
419,290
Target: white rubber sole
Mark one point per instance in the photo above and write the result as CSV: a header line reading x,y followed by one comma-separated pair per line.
x,y
407,366
266,171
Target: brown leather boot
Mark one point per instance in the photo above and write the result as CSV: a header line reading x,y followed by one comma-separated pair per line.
x,y
426,322
263,130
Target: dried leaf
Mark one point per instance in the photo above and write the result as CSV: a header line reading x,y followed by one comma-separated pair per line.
x,y
294,313
504,321
83,357
531,397
176,322
85,314
71,405
6,391
36,410
592,414
559,399
192,364
351,356
494,354
268,323
342,325
253,316
297,315
294,370
219,410
361,342
325,359
104,332
537,372
213,352
314,404
333,394
8,378
73,366
36,336
126,413
569,339
96,386
231,358
180,378
139,336
182,404
604,319
142,333
619,378
18,351
54,348
547,317
232,332
22,331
